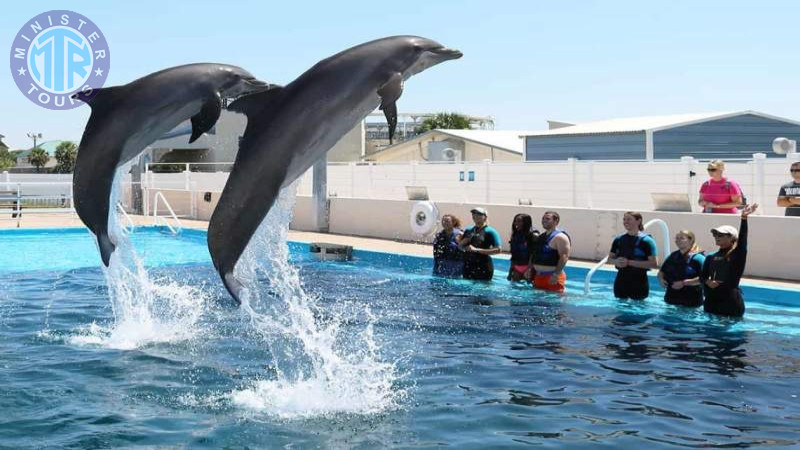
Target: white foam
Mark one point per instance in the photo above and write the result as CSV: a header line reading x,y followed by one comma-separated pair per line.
x,y
321,368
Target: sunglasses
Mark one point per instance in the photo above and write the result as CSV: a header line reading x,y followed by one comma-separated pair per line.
x,y
711,169
794,170
718,234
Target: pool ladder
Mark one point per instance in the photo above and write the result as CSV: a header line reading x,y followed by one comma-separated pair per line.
x,y
587,283
128,229
158,220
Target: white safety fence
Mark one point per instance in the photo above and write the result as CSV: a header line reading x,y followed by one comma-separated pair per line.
x,y
574,183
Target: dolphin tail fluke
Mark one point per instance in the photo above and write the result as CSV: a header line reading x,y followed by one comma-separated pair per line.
x,y
233,286
106,247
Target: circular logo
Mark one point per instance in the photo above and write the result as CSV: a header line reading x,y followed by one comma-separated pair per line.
x,y
57,54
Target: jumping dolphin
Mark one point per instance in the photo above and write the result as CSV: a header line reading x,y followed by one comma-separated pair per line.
x,y
126,119
290,128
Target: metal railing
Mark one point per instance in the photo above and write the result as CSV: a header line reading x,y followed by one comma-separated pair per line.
x,y
131,226
587,282
157,219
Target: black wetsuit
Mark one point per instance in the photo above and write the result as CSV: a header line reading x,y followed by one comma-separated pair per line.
x,y
726,299
679,267
631,282
478,266
448,258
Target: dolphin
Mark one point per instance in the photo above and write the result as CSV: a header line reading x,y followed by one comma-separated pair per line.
x,y
126,119
290,128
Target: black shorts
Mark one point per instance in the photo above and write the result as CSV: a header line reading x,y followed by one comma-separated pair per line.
x,y
478,267
724,302
631,283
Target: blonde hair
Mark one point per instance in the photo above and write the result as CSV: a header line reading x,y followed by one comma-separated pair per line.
x,y
695,248
717,164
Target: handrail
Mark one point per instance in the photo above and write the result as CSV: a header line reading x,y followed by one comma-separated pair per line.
x,y
665,238
156,198
128,219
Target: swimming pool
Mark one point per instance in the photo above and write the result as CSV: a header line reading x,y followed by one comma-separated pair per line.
x,y
466,364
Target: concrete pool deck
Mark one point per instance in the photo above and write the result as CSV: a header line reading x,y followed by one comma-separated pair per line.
x,y
31,221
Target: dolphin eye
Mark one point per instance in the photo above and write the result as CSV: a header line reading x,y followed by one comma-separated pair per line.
x,y
417,48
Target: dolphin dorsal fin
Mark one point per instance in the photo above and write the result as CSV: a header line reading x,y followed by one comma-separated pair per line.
x,y
252,104
99,97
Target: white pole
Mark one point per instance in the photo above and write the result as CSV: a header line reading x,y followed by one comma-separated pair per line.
x,y
7,177
688,162
759,159
187,178
573,164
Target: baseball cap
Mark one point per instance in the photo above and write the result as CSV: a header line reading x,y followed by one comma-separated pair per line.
x,y
479,210
726,229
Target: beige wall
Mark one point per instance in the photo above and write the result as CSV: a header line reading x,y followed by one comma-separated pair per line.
x,y
350,147
772,250
417,150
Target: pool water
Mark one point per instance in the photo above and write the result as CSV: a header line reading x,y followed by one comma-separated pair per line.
x,y
447,362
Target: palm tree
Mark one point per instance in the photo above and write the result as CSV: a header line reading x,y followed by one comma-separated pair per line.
x,y
38,158
66,153
447,121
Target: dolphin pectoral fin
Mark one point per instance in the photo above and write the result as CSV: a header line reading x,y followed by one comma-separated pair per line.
x,y
206,118
255,103
106,247
389,94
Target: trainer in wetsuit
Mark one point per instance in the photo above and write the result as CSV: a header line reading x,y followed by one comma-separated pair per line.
x,y
448,259
680,272
632,253
479,242
723,270
522,243
551,255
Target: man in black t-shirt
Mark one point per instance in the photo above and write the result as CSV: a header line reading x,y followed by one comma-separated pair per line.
x,y
789,195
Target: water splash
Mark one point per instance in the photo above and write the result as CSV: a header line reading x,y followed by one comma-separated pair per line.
x,y
321,367
145,310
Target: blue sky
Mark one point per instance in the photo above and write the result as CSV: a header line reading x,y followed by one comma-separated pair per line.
x,y
524,61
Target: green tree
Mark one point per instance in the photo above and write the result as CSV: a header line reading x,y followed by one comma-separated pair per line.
x,y
38,158
66,152
7,160
447,121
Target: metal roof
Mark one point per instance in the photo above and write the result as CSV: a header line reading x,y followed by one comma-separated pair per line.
x,y
648,123
510,140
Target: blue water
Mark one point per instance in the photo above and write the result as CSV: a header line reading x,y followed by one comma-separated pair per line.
x,y
480,366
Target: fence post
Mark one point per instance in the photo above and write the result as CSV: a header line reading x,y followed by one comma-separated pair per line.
x,y
487,173
590,189
352,179
688,163
758,179
187,178
573,164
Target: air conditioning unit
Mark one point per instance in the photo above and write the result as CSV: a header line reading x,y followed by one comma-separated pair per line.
x,y
451,154
783,146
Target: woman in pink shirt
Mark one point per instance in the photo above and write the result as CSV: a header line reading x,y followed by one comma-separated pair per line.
x,y
718,194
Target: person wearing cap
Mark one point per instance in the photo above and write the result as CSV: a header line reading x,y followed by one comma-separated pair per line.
x,y
551,255
633,253
719,194
479,242
723,269
789,195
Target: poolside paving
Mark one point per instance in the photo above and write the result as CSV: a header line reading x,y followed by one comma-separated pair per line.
x,y
361,243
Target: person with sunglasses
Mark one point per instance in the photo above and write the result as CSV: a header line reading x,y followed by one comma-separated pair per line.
x,y
718,194
723,269
789,194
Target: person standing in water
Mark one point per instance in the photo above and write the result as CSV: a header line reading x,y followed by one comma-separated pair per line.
x,y
522,242
680,272
633,253
448,259
479,242
723,269
551,255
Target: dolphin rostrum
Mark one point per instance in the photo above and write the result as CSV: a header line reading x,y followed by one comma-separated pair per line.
x,y
126,119
290,128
